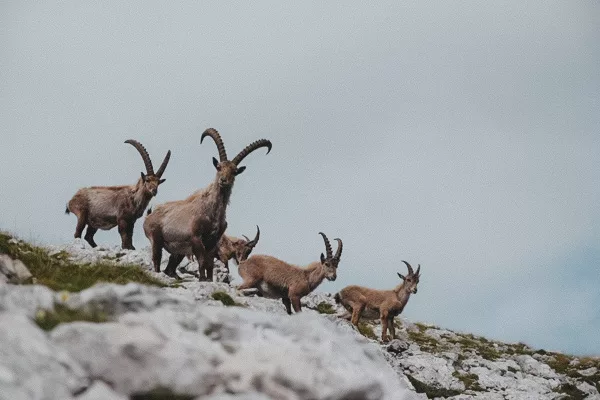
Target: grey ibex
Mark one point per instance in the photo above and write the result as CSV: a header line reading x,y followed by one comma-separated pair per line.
x,y
104,207
277,279
195,225
383,304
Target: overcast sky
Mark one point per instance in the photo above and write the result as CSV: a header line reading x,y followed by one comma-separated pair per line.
x,y
463,136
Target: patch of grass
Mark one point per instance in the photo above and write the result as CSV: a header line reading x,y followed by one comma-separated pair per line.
x,y
59,273
49,319
571,391
160,393
224,298
429,390
471,381
483,348
519,348
426,342
325,308
366,330
513,370
560,363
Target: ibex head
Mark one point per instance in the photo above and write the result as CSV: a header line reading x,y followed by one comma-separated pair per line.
x,y
330,263
150,180
227,170
412,279
243,251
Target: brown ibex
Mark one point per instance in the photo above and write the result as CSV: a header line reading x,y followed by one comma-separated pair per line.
x,y
195,225
231,247
383,304
104,207
277,279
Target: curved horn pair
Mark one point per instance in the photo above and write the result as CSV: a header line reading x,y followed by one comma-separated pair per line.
x,y
242,154
338,253
253,242
410,270
146,158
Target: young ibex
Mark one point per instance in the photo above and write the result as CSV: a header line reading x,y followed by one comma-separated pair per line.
x,y
195,225
238,249
384,304
104,207
231,247
277,279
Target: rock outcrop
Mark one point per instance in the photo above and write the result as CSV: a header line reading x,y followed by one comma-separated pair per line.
x,y
204,340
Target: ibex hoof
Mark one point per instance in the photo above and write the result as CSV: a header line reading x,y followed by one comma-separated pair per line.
x,y
172,275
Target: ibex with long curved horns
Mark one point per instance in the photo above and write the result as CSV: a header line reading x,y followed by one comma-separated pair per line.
x,y
277,279
383,304
104,207
195,225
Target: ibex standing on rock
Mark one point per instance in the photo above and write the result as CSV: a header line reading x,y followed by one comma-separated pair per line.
x,y
384,304
195,225
104,207
231,247
277,279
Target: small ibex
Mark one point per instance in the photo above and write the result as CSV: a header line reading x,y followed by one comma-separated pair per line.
x,y
236,248
277,279
384,304
195,225
104,207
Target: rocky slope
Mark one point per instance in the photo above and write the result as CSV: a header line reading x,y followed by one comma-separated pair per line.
x,y
203,340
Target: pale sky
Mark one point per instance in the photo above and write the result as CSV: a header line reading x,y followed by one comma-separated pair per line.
x,y
461,136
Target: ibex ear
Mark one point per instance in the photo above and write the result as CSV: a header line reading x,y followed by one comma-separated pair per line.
x,y
215,162
143,177
240,170
161,181
322,259
401,276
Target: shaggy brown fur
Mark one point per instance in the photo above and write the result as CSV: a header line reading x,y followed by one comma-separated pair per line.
x,y
195,225
279,280
104,207
383,304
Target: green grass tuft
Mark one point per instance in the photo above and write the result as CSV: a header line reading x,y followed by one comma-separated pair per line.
x,y
571,391
224,298
429,390
471,381
59,273
325,308
366,330
49,319
426,342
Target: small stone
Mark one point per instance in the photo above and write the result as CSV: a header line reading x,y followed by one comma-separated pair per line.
x,y
398,346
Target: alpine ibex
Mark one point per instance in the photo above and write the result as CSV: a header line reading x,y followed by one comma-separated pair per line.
x,y
277,279
384,304
238,249
195,225
104,207
231,247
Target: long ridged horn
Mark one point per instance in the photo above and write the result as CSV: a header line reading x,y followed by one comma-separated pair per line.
x,y
144,153
218,141
255,240
163,166
410,270
327,245
419,270
250,148
338,253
